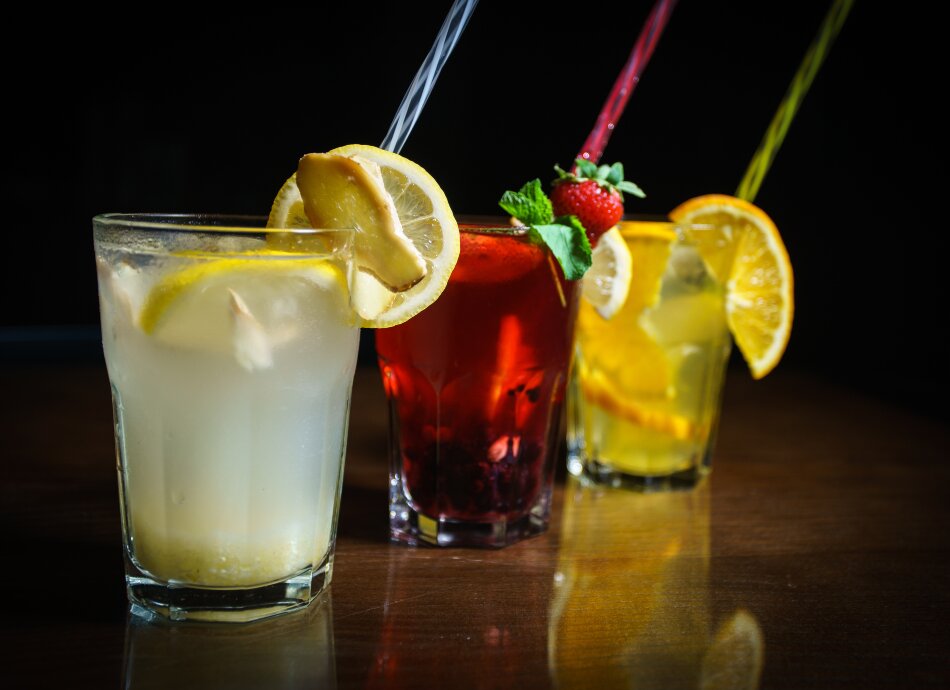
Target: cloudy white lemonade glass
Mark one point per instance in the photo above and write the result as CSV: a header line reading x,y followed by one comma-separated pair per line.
x,y
231,364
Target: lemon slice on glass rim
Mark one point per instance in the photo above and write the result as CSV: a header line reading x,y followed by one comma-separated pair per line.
x,y
747,255
385,290
607,281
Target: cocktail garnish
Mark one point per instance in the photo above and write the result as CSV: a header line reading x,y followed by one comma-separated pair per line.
x,y
608,281
748,257
347,192
592,193
565,236
425,222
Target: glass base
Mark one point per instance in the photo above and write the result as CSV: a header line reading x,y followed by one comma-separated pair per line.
x,y
604,474
179,602
412,527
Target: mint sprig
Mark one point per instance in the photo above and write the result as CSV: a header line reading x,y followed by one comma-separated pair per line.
x,y
564,236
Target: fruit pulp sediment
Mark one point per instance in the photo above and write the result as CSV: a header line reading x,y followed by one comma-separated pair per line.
x,y
476,384
646,395
231,412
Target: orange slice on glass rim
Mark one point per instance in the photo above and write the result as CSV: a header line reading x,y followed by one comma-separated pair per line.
x,y
747,255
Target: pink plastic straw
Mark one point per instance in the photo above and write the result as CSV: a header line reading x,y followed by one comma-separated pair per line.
x,y
627,81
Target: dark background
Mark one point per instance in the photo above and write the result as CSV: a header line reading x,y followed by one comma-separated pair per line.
x,y
167,110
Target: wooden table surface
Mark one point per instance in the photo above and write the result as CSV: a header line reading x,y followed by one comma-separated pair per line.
x,y
818,544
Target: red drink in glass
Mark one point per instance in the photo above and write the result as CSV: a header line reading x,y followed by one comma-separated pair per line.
x,y
476,384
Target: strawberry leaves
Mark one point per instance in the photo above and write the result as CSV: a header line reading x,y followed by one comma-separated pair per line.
x,y
607,176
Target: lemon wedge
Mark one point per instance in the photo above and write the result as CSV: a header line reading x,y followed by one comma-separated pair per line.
x,y
385,290
607,282
225,305
747,255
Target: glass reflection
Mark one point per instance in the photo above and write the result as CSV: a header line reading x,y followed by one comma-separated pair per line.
x,y
290,651
631,602
441,631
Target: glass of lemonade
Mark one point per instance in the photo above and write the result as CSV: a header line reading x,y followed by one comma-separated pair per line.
x,y
476,385
231,366
645,396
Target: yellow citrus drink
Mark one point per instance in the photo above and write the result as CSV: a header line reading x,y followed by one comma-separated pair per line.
x,y
645,397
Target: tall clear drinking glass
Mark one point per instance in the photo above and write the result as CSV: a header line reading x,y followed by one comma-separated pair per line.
x,y
231,364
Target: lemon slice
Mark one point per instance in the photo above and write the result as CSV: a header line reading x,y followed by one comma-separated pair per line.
x,y
346,191
425,219
607,282
747,255
226,305
287,211
599,391
369,297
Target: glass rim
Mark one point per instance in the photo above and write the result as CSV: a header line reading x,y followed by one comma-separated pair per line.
x,y
489,225
662,228
501,225
661,220
216,223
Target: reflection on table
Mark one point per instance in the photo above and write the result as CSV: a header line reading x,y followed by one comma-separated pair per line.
x,y
462,618
631,604
291,651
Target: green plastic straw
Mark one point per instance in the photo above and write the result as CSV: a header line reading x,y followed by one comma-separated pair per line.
x,y
775,134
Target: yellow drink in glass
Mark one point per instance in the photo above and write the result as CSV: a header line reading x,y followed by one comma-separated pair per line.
x,y
644,401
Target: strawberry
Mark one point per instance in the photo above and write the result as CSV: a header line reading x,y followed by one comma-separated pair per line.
x,y
597,208
593,194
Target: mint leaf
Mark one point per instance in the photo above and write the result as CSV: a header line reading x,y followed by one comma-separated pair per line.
x,y
567,240
530,204
564,236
